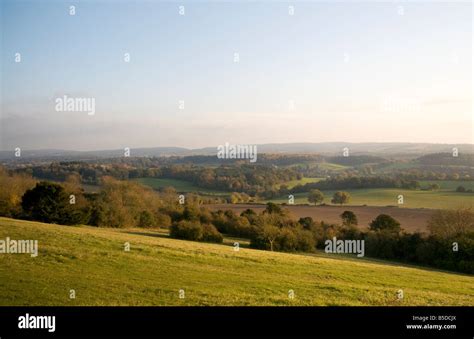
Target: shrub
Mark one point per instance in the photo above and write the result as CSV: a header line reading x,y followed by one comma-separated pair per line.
x,y
187,230
146,219
211,234
307,223
194,230
306,240
163,220
286,240
273,208
381,244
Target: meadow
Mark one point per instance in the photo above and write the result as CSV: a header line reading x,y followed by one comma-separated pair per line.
x,y
443,198
292,183
181,186
93,262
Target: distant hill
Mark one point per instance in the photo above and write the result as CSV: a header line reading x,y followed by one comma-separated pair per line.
x,y
325,148
447,159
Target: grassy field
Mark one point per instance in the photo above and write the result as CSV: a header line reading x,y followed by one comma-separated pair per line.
x,y
93,262
303,181
389,197
332,167
181,186
446,197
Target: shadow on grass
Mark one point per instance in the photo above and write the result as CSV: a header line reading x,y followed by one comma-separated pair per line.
x,y
373,260
155,235
228,241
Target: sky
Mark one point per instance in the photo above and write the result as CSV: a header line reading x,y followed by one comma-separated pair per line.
x,y
246,72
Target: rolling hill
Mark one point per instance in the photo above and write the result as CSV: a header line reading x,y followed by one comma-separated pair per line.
x,y
328,148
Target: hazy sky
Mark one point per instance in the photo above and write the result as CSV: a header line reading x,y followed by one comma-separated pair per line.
x,y
355,72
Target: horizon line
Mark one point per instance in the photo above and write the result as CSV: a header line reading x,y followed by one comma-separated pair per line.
x,y
257,144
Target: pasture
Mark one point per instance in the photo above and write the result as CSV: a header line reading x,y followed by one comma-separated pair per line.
x,y
93,262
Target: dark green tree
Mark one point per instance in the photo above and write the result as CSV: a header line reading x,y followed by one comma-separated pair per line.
x,y
49,202
349,218
384,222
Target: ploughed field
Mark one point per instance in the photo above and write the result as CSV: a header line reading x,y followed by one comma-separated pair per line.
x,y
93,262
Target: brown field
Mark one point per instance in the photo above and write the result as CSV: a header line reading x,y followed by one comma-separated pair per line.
x,y
411,219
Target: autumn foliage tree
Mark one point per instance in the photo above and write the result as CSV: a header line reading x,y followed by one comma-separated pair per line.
x,y
12,188
315,196
341,197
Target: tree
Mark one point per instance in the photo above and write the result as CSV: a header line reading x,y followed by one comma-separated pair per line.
x,y
211,234
461,189
434,187
12,188
234,198
384,222
49,202
315,196
146,219
349,218
270,233
122,203
307,223
341,197
450,223
273,208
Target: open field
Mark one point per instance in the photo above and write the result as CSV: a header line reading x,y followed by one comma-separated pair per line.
x,y
389,197
332,167
293,183
445,197
181,186
410,219
92,261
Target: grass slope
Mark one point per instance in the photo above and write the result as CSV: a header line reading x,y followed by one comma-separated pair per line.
x,y
93,262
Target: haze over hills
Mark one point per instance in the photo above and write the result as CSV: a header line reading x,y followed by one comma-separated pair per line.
x,y
326,148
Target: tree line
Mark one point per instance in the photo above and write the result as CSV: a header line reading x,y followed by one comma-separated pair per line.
x,y
448,245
